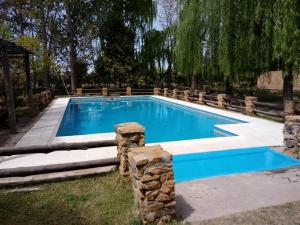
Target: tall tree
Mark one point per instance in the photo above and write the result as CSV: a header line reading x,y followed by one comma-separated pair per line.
x,y
287,41
190,36
119,23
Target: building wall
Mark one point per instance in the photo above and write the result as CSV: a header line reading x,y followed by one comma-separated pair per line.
x,y
273,81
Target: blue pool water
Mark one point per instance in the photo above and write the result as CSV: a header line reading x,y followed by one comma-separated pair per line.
x,y
202,165
164,121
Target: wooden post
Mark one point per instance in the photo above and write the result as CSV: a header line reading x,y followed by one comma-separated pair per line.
x,y
8,91
29,85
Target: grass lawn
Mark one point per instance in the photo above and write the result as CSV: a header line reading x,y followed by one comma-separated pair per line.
x,y
108,200
98,200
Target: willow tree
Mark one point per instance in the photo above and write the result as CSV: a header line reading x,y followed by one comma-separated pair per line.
x,y
153,54
287,42
190,34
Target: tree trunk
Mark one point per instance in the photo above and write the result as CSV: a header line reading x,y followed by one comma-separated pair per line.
x,y
288,85
228,87
72,47
29,84
8,91
46,65
194,82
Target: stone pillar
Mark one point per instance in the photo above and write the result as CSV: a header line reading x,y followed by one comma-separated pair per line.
x,y
289,108
156,91
175,93
186,95
201,97
128,91
49,96
250,104
128,135
151,173
166,92
44,99
221,100
79,92
291,134
36,104
104,92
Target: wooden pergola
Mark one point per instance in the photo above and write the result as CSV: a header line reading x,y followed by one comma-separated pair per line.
x,y
10,50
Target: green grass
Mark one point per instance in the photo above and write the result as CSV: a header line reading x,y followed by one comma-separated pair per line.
x,y
108,200
99,200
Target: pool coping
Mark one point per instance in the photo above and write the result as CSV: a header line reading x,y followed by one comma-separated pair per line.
x,y
62,103
257,132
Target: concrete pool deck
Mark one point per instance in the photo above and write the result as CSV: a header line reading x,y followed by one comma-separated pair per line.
x,y
210,198
256,132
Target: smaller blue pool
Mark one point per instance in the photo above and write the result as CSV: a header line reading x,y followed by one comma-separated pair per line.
x,y
208,164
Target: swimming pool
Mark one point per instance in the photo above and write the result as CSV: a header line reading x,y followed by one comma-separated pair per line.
x,y
209,164
164,121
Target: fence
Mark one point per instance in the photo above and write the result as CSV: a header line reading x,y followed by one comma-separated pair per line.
x,y
249,105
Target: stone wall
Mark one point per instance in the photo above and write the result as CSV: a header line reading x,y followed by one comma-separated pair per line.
x,y
273,81
128,135
291,133
151,172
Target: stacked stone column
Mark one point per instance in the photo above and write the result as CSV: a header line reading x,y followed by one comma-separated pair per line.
x,y
221,100
250,104
36,103
201,97
151,172
79,92
175,93
104,91
291,134
166,90
129,135
156,91
186,95
128,91
44,99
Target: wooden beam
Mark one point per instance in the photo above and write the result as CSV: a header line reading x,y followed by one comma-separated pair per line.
x,y
29,84
26,171
55,147
8,90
